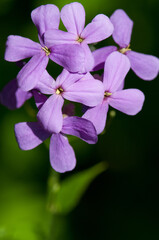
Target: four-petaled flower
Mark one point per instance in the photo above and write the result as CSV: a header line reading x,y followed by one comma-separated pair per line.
x,y
73,87
129,101
73,18
145,66
70,57
62,157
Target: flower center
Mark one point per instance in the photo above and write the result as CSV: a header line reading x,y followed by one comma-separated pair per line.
x,y
124,50
107,94
64,115
80,40
59,90
46,50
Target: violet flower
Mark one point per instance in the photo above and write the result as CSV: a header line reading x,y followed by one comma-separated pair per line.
x,y
12,96
73,87
62,157
145,66
70,57
73,18
129,101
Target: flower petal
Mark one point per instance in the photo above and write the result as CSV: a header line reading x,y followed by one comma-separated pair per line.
x,y
145,66
50,114
46,83
52,37
30,134
62,156
100,55
87,91
116,68
46,17
30,74
99,29
12,96
122,28
18,48
71,57
81,128
73,17
65,79
97,115
89,60
129,101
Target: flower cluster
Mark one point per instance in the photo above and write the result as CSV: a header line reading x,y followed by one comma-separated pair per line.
x,y
70,49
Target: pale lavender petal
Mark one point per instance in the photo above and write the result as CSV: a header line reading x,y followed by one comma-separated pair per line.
x,y
87,91
99,29
121,86
52,37
73,17
46,17
116,68
97,115
145,66
50,114
31,73
12,96
40,99
65,79
89,59
18,48
81,128
30,134
100,55
122,28
64,76
129,101
71,57
62,156
46,83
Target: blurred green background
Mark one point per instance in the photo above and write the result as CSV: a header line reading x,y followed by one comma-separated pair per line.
x,y
122,202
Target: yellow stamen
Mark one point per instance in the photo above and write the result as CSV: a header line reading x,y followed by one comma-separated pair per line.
x,y
124,50
46,50
80,40
107,94
64,115
59,90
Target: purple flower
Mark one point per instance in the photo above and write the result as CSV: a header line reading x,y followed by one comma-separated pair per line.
x,y
12,96
62,157
71,57
145,66
74,87
73,18
129,101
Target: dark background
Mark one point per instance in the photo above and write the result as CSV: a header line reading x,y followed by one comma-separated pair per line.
x,y
121,203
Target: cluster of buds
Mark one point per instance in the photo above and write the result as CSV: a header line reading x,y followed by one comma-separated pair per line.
x,y
70,49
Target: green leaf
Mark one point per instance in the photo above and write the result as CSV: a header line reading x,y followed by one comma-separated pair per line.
x,y
65,196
